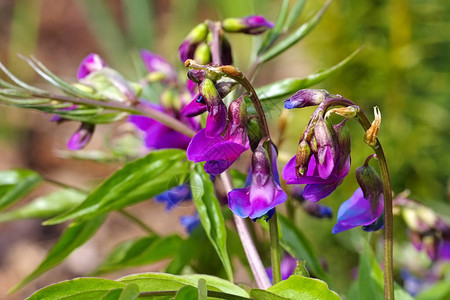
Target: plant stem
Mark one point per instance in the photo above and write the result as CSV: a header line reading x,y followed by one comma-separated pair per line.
x,y
64,185
275,248
136,221
262,280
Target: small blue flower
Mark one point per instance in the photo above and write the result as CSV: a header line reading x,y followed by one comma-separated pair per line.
x,y
174,196
190,222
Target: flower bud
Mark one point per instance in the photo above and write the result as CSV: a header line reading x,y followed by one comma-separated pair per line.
x,y
193,39
371,134
302,158
225,53
202,54
370,183
156,63
93,62
346,111
217,111
169,100
224,86
326,148
254,131
248,25
305,98
237,122
81,137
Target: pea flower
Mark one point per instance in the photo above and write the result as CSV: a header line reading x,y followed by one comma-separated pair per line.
x,y
175,196
196,36
263,192
249,25
157,64
327,168
220,152
306,97
91,63
366,205
81,137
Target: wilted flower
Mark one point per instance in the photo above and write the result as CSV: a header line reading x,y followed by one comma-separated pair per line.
x,y
263,192
248,25
371,134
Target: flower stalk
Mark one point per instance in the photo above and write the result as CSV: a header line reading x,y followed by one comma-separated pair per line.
x,y
275,248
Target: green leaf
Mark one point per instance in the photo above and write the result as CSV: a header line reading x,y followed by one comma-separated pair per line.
x,y
140,252
275,32
296,36
187,293
219,284
87,287
202,290
76,234
139,21
15,184
286,87
211,217
130,292
439,291
46,206
296,243
137,181
299,287
264,295
294,13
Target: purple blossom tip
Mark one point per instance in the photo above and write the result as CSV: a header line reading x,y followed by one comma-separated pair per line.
x,y
357,211
81,137
249,25
305,98
93,62
196,107
156,63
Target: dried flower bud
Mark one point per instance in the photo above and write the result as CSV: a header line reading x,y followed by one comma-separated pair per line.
x,y
371,134
248,25
305,98
302,158
346,111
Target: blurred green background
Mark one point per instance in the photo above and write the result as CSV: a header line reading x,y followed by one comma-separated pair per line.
x,y
404,69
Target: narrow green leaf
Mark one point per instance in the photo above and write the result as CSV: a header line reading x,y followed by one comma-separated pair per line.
x,y
20,82
15,184
218,284
46,206
439,291
211,217
140,252
275,32
202,290
296,243
299,287
76,234
187,293
296,36
294,13
137,181
139,20
286,87
75,287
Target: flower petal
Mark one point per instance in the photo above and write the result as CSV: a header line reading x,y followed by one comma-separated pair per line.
x,y
239,202
317,191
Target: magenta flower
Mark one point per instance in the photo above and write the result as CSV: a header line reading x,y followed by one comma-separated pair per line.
x,y
322,179
248,25
81,137
358,211
196,36
220,152
93,62
156,63
158,135
262,194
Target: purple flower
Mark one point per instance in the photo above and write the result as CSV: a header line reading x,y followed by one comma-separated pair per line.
x,y
156,63
305,98
312,208
358,211
174,196
320,181
193,39
81,137
190,222
287,266
220,152
196,107
217,111
158,135
248,25
58,119
262,194
93,62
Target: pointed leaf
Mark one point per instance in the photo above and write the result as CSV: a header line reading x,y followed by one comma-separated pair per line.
x,y
140,252
76,287
439,291
76,234
46,206
275,32
286,87
137,181
299,287
296,36
15,184
211,217
294,13
219,284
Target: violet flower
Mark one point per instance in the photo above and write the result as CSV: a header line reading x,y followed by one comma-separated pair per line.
x,y
193,39
175,196
305,98
263,193
287,267
220,152
249,25
190,222
93,62
81,137
319,186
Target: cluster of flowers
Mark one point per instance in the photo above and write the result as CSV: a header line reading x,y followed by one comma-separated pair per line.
x,y
322,160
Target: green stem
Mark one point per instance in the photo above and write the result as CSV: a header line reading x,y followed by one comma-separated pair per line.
x,y
136,221
65,185
214,294
388,259
275,248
